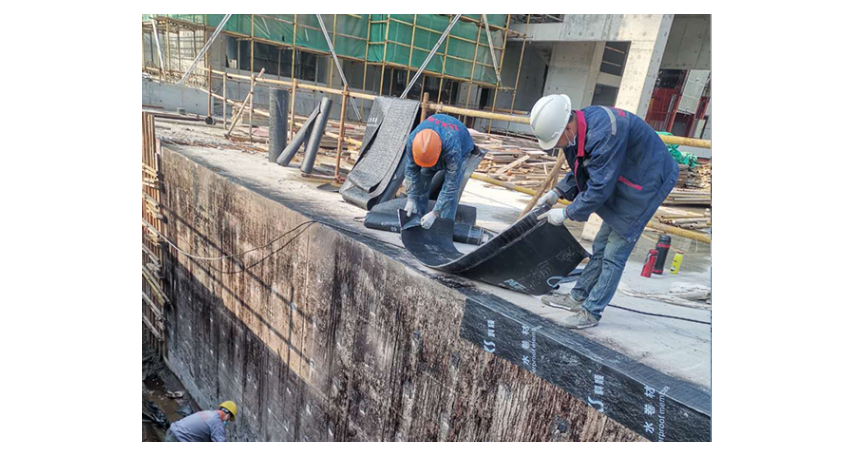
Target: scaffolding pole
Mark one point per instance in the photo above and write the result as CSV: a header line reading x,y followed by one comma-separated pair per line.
x,y
519,67
444,59
168,50
492,49
210,75
427,60
501,62
157,43
204,49
143,48
412,46
365,66
385,47
251,69
337,64
472,74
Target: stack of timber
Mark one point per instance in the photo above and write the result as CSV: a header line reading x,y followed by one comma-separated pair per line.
x,y
696,222
683,197
513,159
700,176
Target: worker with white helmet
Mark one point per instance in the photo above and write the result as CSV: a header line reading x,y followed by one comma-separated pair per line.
x,y
620,170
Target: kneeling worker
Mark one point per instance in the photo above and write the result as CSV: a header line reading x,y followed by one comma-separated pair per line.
x,y
619,169
439,143
204,426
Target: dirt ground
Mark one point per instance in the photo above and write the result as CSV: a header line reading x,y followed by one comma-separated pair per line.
x,y
159,409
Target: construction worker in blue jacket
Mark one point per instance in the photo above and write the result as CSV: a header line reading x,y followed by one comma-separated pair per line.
x,y
204,426
439,143
619,169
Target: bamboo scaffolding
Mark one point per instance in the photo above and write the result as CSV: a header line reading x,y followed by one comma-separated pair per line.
x,y
236,117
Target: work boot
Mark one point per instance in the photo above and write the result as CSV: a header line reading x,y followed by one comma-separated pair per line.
x,y
580,320
563,302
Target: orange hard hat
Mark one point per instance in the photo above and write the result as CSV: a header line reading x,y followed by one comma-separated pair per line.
x,y
426,148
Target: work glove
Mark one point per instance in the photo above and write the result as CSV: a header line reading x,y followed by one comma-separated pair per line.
x,y
554,216
550,198
427,220
410,207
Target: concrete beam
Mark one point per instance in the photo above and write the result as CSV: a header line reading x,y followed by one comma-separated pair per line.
x,y
594,27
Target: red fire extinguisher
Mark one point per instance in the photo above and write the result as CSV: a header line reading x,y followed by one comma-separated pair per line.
x,y
649,263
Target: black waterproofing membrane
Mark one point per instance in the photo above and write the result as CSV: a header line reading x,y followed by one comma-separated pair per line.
x,y
379,170
530,256
384,217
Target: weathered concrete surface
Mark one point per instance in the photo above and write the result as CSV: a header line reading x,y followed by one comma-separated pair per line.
x,y
330,339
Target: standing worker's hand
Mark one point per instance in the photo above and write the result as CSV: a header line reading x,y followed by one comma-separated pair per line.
x,y
550,198
427,220
554,216
410,207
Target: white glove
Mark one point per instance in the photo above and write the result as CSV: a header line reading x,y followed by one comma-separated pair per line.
x,y
554,216
427,220
550,198
410,207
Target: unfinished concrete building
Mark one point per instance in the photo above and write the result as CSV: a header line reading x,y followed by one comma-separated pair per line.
x,y
261,287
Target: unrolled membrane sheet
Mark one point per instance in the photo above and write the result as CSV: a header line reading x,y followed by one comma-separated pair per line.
x,y
379,164
384,217
530,256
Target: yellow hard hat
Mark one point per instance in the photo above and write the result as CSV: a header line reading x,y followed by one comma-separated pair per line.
x,y
231,407
427,146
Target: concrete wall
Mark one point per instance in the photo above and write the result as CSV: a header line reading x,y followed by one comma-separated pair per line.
x,y
330,339
171,97
530,88
693,88
569,69
689,45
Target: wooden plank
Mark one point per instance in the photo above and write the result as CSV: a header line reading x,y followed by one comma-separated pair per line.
x,y
154,308
156,332
514,164
150,253
154,286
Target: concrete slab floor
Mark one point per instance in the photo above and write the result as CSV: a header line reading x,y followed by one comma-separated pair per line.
x,y
676,347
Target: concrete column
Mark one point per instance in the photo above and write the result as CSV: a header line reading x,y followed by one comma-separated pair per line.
x,y
593,73
569,69
642,64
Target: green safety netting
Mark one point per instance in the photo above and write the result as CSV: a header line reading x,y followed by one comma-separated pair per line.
x,y
457,53
350,33
691,160
356,37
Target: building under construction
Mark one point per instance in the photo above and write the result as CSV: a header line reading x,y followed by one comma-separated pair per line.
x,y
265,283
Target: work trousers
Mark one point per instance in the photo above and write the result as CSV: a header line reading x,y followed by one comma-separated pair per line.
x,y
599,281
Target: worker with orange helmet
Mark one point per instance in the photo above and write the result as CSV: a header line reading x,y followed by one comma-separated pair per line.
x,y
440,143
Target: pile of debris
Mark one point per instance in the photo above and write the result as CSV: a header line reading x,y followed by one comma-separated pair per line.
x,y
681,197
689,222
513,159
694,186
700,177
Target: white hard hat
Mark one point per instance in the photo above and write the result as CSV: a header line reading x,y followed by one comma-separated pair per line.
x,y
549,118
